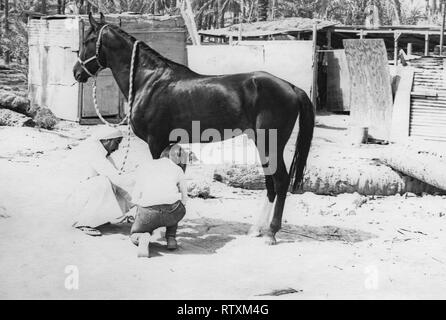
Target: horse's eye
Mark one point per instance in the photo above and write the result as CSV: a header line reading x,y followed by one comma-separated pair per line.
x,y
88,40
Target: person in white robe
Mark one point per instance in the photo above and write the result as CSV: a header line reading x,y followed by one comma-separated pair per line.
x,y
103,195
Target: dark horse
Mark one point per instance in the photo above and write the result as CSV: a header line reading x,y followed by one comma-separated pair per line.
x,y
169,96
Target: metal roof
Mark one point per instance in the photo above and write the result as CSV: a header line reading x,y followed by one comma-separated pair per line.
x,y
265,28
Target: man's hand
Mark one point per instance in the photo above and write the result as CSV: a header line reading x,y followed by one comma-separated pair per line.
x,y
183,191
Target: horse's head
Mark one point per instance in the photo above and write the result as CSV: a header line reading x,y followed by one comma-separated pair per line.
x,y
90,59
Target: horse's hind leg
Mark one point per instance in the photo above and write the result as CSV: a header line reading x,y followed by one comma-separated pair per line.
x,y
281,182
264,218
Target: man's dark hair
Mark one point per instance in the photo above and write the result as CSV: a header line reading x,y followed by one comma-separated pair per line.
x,y
176,154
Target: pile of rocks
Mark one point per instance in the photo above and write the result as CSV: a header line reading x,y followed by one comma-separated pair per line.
x,y
15,108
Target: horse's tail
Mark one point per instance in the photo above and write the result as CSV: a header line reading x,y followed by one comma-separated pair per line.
x,y
303,143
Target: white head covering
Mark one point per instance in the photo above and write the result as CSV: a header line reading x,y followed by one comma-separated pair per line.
x,y
106,132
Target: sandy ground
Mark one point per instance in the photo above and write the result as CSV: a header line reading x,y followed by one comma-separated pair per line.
x,y
330,247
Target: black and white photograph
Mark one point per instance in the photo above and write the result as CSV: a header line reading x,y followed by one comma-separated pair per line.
x,y
222,150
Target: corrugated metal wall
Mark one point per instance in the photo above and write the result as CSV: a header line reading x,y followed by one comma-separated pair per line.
x,y
428,99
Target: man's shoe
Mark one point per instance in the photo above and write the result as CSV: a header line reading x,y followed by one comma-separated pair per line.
x,y
90,231
143,245
171,243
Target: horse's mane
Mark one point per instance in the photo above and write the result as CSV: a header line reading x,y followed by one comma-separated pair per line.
x,y
146,48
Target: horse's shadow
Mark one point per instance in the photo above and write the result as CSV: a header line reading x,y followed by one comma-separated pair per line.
x,y
206,236
197,236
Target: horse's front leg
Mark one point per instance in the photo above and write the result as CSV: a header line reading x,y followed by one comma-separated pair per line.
x,y
261,225
157,144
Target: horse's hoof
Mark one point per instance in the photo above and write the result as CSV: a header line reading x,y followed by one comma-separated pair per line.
x,y
143,245
270,239
255,232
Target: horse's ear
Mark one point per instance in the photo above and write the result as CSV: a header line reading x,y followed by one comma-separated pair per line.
x,y
93,22
102,17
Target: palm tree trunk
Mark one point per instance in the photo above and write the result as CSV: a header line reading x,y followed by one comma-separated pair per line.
x,y
43,10
263,8
215,17
6,26
222,19
323,9
117,6
397,8
199,22
101,6
236,14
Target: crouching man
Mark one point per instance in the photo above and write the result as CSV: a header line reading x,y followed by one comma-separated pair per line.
x,y
160,194
102,196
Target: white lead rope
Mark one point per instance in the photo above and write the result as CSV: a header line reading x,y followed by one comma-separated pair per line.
x,y
130,106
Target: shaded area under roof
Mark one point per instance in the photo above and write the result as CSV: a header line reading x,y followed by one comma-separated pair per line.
x,y
417,29
419,36
265,28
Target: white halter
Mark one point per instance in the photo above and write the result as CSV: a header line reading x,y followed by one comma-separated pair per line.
x,y
95,57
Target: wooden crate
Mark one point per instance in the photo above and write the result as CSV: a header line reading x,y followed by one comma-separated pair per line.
x,y
54,44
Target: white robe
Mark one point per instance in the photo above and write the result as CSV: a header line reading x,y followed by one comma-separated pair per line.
x,y
102,196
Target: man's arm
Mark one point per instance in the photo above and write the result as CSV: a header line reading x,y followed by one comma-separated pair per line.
x,y
105,167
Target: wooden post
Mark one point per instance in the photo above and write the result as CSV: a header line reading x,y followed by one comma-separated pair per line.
x,y
361,34
314,36
426,44
241,23
409,48
396,36
315,67
188,16
443,15
329,34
